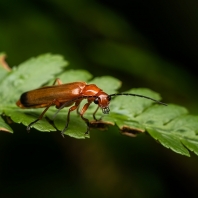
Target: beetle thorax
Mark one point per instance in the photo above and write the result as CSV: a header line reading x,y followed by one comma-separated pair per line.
x,y
90,90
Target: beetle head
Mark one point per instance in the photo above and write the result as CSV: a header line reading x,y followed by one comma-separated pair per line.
x,y
103,99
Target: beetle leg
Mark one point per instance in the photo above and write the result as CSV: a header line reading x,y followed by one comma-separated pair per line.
x,y
94,115
58,82
39,118
54,102
85,107
52,123
78,110
68,116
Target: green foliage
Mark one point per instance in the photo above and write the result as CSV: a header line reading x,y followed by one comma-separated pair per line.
x,y
171,125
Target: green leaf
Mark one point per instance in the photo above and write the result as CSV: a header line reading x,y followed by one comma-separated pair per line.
x,y
170,125
191,144
154,115
168,140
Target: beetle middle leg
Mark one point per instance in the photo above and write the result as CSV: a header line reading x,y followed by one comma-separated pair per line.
x,y
77,103
78,110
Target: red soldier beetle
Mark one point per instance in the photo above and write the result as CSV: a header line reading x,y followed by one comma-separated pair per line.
x,y
65,95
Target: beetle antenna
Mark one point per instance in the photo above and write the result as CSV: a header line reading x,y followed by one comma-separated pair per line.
x,y
130,94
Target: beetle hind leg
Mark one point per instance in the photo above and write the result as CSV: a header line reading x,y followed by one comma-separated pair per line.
x,y
54,102
29,126
39,118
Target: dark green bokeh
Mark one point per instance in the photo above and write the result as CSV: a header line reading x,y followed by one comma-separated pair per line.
x,y
144,44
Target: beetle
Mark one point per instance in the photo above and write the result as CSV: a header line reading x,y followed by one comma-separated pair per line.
x,y
70,94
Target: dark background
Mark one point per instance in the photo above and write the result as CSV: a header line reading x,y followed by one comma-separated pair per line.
x,y
143,43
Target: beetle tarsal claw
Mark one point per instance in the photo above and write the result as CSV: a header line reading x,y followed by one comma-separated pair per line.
x,y
105,110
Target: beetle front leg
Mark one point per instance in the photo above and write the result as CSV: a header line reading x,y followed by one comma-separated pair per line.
x,y
94,115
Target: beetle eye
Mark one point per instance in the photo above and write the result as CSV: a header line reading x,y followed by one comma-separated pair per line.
x,y
96,101
109,98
